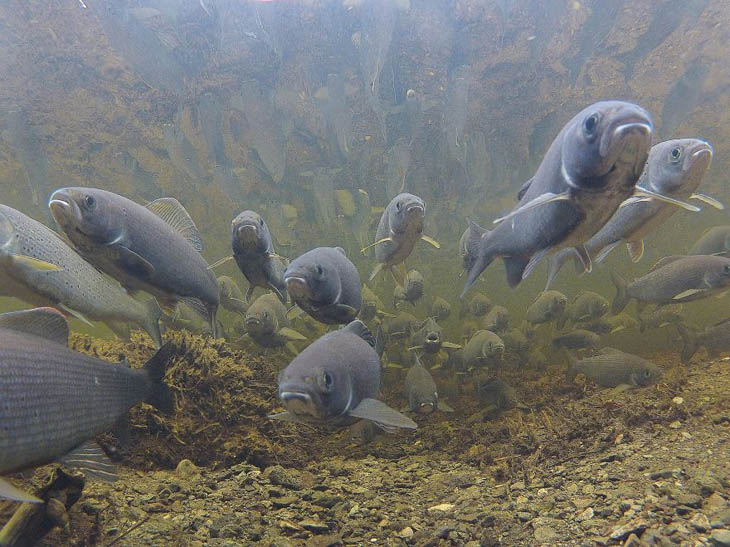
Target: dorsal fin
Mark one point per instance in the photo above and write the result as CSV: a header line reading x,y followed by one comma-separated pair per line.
x,y
664,261
171,211
48,323
523,189
358,327
341,250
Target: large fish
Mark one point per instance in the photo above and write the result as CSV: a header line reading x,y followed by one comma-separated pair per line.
x,y
675,168
614,368
400,228
325,284
675,279
335,381
231,296
37,266
713,241
590,168
154,248
56,400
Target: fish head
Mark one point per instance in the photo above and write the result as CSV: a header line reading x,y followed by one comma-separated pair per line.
x,y
605,144
718,275
493,347
646,374
312,280
249,233
321,391
261,319
406,213
427,407
677,166
90,217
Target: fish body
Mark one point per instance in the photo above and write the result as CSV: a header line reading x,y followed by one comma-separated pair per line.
x,y
411,290
325,284
659,317
675,279
577,339
613,368
549,306
54,399
28,249
587,306
154,248
478,306
495,393
516,343
483,349
253,251
335,381
591,167
371,304
267,324
609,324
440,309
430,338
421,391
715,338
401,326
715,240
675,168
497,320
231,296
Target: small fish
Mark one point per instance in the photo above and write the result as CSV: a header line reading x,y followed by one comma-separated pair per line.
x,y
335,381
400,228
610,324
156,248
55,401
440,309
183,317
577,339
673,280
38,267
371,306
401,326
516,344
325,284
421,392
659,317
231,296
586,307
478,306
591,167
549,306
537,359
713,241
497,320
411,290
430,338
266,323
483,349
715,338
614,368
253,251
496,394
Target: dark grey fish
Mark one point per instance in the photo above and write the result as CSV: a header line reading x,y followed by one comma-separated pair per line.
x,y
684,96
335,381
266,323
497,320
484,348
496,394
516,344
400,228
586,307
659,317
411,291
589,170
613,368
156,248
713,241
440,309
675,279
577,339
231,296
675,168
56,400
549,306
715,338
609,324
325,284
253,250
421,391
38,267
430,338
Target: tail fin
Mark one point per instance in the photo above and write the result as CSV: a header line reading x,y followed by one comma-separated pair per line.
x,y
515,268
152,321
556,261
160,395
689,342
477,258
622,298
572,371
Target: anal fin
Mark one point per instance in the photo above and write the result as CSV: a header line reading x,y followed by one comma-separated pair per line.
x,y
91,459
635,249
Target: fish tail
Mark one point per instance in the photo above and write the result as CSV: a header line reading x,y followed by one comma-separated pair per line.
x,y
622,297
572,371
477,257
689,341
555,262
515,268
160,396
151,322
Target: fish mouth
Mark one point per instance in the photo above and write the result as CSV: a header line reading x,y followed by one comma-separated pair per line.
x,y
426,408
299,403
297,286
415,208
252,321
247,233
62,207
702,152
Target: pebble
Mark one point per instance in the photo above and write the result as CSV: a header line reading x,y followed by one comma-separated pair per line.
x,y
678,400
700,522
186,469
314,526
632,541
442,507
405,533
545,534
586,515
720,538
634,527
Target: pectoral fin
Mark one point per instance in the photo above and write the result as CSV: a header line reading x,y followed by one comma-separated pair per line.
x,y
686,294
35,263
544,199
134,264
382,415
635,249
294,312
645,192
431,241
220,262
290,334
585,258
443,407
77,314
286,417
709,200
10,492
378,242
450,345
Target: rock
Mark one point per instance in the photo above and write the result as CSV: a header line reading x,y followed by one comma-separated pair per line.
x,y
282,477
721,518
705,484
587,514
442,507
634,527
720,538
315,526
678,401
284,501
545,534
517,485
186,469
632,541
405,533
524,516
688,499
323,499
700,522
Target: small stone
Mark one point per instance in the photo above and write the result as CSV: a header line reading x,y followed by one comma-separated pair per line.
x,y
589,489
517,485
700,522
186,469
442,507
678,400
524,516
288,525
405,533
314,526
676,424
545,534
720,538
284,501
587,514
633,527
632,541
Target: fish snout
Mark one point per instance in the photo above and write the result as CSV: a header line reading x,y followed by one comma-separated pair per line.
x,y
426,408
63,207
699,154
247,233
297,287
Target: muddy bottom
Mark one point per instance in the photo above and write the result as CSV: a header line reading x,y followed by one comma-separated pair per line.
x,y
571,465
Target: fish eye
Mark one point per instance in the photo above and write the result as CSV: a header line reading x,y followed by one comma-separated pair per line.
x,y
726,269
647,373
266,314
261,221
89,201
399,205
676,153
327,379
320,270
590,124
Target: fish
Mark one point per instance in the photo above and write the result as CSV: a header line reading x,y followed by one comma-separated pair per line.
x,y
421,391
516,344
38,267
497,320
537,359
483,349
591,167
156,248
673,280
253,251
548,306
586,307
401,326
183,317
577,339
411,291
660,316
371,306
362,219
440,309
325,284
55,401
609,324
715,338
266,323
456,111
335,381
339,119
478,306
182,153
713,241
400,228
323,193
496,394
429,338
614,368
231,296
675,168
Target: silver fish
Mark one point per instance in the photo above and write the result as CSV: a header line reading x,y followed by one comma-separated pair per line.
x,y
548,306
266,323
613,368
484,348
715,338
713,241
